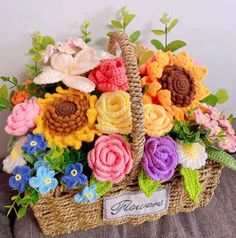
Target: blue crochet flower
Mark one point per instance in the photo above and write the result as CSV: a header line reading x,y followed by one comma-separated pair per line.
x,y
40,161
34,143
21,178
89,194
74,176
44,180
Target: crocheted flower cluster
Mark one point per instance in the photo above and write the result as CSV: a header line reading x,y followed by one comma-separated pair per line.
x,y
78,133
174,81
217,124
69,61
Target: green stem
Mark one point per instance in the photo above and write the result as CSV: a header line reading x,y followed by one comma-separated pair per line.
x,y
166,39
35,69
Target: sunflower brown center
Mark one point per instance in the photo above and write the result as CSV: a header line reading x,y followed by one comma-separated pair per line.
x,y
180,83
66,115
65,109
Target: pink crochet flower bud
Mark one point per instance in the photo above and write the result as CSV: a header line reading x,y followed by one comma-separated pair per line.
x,y
228,143
110,75
22,118
110,159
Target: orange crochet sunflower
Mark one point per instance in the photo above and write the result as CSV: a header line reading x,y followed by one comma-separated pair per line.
x,y
175,82
67,118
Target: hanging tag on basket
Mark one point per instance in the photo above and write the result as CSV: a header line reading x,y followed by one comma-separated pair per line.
x,y
135,203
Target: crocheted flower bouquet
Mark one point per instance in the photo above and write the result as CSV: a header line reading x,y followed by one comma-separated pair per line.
x,y
72,123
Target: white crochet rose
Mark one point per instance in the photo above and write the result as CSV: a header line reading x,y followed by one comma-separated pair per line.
x,y
191,156
16,157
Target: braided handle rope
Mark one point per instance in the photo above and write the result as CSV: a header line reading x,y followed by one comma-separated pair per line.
x,y
119,38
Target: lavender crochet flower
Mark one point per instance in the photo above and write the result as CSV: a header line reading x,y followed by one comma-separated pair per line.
x,y
160,158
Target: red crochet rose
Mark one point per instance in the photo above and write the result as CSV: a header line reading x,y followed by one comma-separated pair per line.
x,y
110,75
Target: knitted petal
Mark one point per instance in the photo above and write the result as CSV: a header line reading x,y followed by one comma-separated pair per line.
x,y
49,75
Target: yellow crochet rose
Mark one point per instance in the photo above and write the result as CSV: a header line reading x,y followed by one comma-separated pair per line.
x,y
114,114
157,120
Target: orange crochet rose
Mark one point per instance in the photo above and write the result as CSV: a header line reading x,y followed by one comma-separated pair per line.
x,y
157,120
19,97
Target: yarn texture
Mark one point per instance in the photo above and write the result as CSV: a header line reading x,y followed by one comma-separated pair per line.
x,y
160,158
110,75
110,159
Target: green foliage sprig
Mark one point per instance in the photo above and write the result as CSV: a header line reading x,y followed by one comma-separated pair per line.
x,y
6,94
186,132
20,204
127,18
168,27
85,32
221,96
143,54
39,45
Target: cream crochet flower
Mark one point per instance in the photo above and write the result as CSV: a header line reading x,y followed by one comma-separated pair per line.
x,y
192,156
114,114
16,157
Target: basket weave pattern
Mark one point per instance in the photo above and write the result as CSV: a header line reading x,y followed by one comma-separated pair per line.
x,y
58,213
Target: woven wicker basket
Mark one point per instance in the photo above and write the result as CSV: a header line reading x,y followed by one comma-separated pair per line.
x,y
58,213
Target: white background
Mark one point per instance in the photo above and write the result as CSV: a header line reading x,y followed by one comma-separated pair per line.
x,y
208,26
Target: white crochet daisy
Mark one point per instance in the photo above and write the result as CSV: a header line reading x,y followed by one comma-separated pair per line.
x,y
191,156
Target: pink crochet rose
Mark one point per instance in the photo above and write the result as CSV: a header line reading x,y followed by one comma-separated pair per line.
x,y
110,75
110,159
22,118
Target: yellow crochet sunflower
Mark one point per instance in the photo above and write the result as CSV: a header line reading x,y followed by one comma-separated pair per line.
x,y
67,118
175,82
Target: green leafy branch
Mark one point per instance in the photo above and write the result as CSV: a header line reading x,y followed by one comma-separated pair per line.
x,y
185,132
221,96
127,18
143,54
59,158
6,94
168,27
85,32
20,204
39,45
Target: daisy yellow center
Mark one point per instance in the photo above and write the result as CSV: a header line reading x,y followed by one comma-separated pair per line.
x,y
18,177
191,151
47,180
74,172
33,143
89,195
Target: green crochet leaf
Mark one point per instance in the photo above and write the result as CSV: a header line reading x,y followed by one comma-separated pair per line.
x,y
146,184
222,157
102,187
191,183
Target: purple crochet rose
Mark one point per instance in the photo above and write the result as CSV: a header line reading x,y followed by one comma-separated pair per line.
x,y
160,158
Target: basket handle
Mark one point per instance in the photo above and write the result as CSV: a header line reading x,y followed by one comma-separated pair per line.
x,y
119,38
